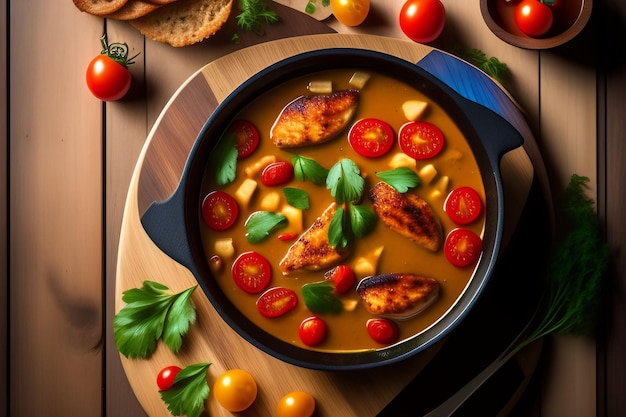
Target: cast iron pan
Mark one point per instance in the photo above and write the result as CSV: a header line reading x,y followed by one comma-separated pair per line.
x,y
174,224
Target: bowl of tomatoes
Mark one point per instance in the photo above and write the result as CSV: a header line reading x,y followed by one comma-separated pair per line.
x,y
536,24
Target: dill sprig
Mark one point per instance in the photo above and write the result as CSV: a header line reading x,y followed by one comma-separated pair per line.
x,y
253,14
576,269
491,66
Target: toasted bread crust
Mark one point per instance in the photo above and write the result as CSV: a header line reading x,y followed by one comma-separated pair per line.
x,y
99,7
134,9
184,22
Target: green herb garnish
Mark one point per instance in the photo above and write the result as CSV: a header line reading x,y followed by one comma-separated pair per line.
x,y
309,169
253,14
345,182
310,6
362,219
297,198
224,159
320,298
401,178
151,314
189,392
261,224
491,66
575,270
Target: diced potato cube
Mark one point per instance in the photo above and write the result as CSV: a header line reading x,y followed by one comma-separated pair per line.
x,y
321,87
258,165
294,217
427,173
245,191
401,160
270,201
413,109
442,184
349,304
367,265
224,248
359,79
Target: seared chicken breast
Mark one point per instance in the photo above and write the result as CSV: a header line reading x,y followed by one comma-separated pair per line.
x,y
397,295
314,119
312,250
408,214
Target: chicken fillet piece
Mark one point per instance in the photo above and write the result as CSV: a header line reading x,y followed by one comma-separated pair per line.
x,y
408,214
312,250
309,120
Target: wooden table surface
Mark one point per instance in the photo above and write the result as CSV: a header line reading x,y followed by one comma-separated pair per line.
x,y
69,159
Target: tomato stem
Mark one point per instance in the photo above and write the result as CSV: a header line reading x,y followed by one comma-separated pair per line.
x,y
117,51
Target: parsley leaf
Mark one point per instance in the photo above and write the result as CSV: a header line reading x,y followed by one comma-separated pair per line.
x,y
362,220
189,392
401,178
339,233
297,198
309,169
345,181
261,223
253,14
224,159
319,297
149,315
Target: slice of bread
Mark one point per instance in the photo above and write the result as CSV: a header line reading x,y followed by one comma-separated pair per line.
x,y
184,22
99,7
161,2
132,10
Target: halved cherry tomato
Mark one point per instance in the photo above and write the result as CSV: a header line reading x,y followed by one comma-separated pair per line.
x,y
277,173
420,139
277,301
286,237
383,331
533,17
165,378
422,20
296,404
350,12
312,331
246,137
463,205
219,210
462,247
343,278
371,137
252,272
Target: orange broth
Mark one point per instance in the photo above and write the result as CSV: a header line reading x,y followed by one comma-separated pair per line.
x,y
382,98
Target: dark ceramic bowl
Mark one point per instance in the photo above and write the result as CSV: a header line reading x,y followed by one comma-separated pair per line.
x,y
174,224
570,17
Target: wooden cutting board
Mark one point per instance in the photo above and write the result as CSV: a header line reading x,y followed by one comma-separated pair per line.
x,y
353,393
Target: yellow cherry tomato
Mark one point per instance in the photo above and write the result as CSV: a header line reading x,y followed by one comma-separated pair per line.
x,y
296,404
235,390
350,12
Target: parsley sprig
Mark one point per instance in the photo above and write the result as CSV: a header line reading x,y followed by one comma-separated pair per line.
x,y
224,159
261,224
254,14
401,178
151,314
320,298
189,392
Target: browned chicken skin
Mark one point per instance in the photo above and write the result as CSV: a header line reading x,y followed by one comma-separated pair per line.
x,y
408,214
312,250
314,119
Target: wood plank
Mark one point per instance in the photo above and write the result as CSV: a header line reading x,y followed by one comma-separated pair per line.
x,y
4,282
55,213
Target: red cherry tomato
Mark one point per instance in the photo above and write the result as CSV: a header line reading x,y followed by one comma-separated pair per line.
x,y
277,173
420,140
252,272
312,331
286,237
533,17
422,20
383,331
246,137
350,12
165,378
343,278
107,79
463,205
277,301
371,137
219,210
462,247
